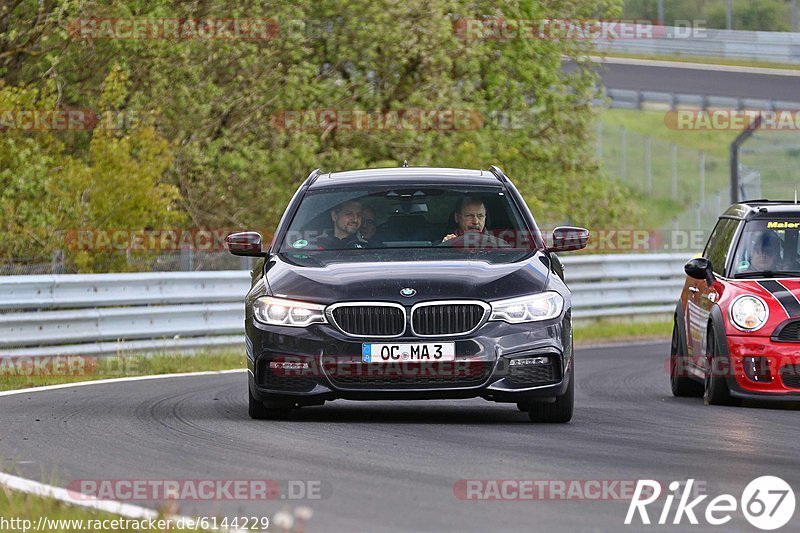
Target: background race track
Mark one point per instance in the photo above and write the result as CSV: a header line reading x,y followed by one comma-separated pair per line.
x,y
388,466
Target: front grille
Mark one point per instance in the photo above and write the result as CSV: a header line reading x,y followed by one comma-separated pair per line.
x,y
789,332
534,375
408,375
370,320
790,375
282,379
447,319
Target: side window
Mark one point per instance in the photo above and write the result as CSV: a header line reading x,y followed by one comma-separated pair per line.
x,y
719,243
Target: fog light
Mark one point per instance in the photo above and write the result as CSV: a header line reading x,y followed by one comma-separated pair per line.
x,y
757,369
525,361
288,365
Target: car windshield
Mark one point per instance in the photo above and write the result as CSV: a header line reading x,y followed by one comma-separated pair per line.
x,y
418,218
768,248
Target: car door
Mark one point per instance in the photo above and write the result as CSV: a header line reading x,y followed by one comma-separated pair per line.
x,y
717,252
701,297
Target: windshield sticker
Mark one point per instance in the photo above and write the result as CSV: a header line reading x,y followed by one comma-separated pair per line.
x,y
302,243
783,225
744,265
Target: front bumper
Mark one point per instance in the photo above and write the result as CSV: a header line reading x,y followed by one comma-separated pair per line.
x,y
311,365
764,369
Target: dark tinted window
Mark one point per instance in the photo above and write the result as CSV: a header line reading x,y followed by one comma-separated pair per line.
x,y
719,243
407,217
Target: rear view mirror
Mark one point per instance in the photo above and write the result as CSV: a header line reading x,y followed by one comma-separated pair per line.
x,y
247,243
566,238
700,268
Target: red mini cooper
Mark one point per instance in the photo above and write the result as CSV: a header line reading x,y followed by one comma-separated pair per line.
x,y
737,324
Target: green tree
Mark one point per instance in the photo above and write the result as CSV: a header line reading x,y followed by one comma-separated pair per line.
x,y
210,148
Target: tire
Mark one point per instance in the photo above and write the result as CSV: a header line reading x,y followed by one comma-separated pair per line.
x,y
524,407
259,411
559,411
682,385
716,391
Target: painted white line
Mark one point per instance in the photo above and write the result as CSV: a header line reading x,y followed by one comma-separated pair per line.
x,y
695,66
119,380
122,509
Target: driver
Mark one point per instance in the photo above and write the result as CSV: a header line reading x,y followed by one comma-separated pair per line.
x,y
765,252
346,219
470,215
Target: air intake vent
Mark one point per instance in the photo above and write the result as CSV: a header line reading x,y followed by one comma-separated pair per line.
x,y
790,375
788,332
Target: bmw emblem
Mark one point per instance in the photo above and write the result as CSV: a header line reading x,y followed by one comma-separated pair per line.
x,y
408,292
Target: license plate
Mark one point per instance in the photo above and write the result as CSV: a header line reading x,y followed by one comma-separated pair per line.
x,y
428,351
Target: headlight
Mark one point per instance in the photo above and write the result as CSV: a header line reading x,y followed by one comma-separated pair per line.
x,y
749,313
280,312
542,306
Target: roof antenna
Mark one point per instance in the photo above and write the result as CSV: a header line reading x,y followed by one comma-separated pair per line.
x,y
405,165
795,197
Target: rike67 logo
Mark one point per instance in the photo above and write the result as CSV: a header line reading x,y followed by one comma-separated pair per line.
x,y
767,502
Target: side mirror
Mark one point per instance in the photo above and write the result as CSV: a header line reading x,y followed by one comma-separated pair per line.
x,y
247,243
700,268
566,238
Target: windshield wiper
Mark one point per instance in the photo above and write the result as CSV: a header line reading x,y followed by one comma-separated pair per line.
x,y
768,274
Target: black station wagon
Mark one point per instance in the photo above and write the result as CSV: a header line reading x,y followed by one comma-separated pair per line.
x,y
409,284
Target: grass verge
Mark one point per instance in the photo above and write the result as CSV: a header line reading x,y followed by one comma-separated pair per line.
x,y
621,330
655,202
20,373
22,512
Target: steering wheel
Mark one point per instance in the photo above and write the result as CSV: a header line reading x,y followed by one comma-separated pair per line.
x,y
475,240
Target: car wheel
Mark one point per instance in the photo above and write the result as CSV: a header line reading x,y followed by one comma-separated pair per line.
x,y
524,407
559,411
716,391
682,385
259,411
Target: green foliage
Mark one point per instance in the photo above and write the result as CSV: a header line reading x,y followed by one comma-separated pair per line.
x,y
761,15
205,151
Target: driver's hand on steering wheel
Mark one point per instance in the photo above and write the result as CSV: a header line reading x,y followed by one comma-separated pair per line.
x,y
449,236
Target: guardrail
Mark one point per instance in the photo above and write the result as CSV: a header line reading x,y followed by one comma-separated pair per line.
x,y
778,47
666,101
98,314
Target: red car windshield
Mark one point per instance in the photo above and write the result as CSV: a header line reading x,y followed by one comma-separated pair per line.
x,y
768,248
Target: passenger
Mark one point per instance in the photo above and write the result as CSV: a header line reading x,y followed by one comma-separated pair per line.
x,y
368,223
346,219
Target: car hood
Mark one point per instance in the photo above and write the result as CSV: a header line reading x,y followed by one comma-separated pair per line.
x,y
327,282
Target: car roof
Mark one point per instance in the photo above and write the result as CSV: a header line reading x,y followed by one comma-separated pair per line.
x,y
409,175
762,209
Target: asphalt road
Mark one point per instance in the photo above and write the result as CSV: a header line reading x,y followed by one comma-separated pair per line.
x,y
700,82
391,466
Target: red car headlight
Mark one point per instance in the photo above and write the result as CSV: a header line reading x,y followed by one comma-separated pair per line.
x,y
749,313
